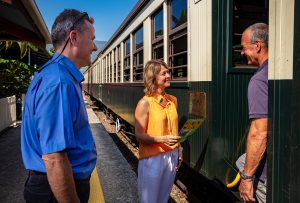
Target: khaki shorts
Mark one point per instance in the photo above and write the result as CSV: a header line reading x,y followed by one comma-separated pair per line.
x,y
260,186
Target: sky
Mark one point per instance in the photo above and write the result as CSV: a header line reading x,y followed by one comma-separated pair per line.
x,y
108,14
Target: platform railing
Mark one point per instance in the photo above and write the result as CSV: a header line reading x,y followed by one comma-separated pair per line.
x,y
7,112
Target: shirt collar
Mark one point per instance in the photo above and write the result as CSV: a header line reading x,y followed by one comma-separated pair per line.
x,y
73,70
263,65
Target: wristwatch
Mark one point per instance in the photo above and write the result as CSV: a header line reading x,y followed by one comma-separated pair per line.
x,y
244,176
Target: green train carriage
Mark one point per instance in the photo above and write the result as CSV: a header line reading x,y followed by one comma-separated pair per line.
x,y
200,40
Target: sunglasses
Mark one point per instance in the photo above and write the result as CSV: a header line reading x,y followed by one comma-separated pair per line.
x,y
84,15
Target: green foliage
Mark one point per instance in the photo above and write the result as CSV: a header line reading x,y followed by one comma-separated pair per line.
x,y
23,46
23,49
8,44
51,51
15,75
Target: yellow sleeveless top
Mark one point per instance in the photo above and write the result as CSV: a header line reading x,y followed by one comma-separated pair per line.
x,y
161,121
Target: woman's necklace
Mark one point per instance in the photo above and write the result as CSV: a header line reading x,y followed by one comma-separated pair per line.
x,y
163,101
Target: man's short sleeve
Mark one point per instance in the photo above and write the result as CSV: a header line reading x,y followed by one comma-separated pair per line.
x,y
55,110
258,99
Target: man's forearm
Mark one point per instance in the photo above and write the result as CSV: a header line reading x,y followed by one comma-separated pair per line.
x,y
256,145
60,177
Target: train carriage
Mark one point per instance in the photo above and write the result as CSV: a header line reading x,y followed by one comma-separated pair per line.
x,y
200,41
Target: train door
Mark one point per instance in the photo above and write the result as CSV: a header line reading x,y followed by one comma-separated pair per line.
x,y
230,78
284,106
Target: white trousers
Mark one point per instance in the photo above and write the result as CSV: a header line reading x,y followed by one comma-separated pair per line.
x,y
156,176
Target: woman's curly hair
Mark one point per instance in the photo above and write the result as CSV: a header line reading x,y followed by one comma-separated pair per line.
x,y
152,68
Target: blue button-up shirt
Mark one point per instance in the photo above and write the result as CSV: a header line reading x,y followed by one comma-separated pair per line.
x,y
55,119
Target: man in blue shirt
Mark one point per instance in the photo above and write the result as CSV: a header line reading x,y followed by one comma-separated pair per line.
x,y
57,144
255,48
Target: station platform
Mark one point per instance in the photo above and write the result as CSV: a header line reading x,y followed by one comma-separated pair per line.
x,y
113,180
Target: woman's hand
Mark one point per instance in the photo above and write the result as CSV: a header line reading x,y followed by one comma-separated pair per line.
x,y
170,139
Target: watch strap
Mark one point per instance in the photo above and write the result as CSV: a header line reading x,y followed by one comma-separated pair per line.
x,y
244,176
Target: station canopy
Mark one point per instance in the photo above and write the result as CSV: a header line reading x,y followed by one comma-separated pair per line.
x,y
21,20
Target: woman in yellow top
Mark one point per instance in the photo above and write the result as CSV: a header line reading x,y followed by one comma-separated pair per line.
x,y
156,128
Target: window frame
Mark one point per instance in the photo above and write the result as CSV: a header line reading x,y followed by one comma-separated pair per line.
x,y
173,34
106,69
229,53
137,67
126,68
110,68
115,65
159,41
119,62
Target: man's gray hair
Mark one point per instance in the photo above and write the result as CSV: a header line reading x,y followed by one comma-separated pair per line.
x,y
259,31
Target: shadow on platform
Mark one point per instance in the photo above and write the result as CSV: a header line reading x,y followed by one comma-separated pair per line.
x,y
12,172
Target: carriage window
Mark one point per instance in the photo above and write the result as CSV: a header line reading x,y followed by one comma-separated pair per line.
x,y
178,39
127,60
138,55
115,65
157,35
179,12
118,54
138,38
244,14
106,69
158,51
110,67
100,72
158,22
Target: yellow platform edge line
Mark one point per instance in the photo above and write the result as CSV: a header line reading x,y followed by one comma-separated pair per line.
x,y
96,193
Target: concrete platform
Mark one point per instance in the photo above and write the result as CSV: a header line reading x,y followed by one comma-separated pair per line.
x,y
12,172
118,180
112,180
